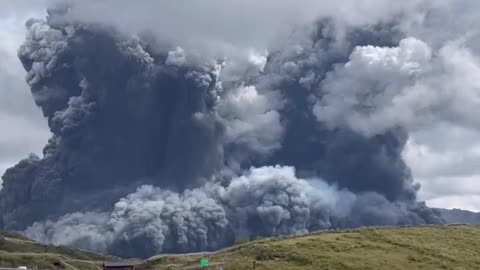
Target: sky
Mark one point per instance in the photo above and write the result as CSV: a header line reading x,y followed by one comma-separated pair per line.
x,y
442,154
23,128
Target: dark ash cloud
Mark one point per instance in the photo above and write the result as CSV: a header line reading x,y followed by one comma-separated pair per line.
x,y
161,154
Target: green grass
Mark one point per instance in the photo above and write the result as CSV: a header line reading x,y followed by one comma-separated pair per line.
x,y
426,248
16,250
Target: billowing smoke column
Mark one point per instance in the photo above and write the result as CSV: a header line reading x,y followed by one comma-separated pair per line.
x,y
154,153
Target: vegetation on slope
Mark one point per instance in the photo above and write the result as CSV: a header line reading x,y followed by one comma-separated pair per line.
x,y
16,250
427,248
450,247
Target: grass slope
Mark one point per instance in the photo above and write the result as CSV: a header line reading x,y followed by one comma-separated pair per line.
x,y
16,250
427,248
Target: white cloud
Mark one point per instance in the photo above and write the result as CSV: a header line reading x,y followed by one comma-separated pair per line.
x,y
231,28
380,88
444,160
235,22
466,202
428,160
176,57
251,119
371,93
258,60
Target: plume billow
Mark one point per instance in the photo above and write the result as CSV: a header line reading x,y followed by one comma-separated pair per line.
x,y
157,149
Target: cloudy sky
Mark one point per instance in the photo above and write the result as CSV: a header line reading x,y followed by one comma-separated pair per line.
x,y
443,152
23,129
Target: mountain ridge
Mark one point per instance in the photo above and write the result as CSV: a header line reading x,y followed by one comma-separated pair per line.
x,y
456,215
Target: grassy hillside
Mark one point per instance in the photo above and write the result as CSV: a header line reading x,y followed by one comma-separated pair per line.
x,y
16,250
452,247
426,248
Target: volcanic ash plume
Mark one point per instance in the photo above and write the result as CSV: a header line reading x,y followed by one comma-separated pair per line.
x,y
154,151
266,201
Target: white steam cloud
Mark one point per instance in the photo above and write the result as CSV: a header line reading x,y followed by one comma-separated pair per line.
x,y
408,86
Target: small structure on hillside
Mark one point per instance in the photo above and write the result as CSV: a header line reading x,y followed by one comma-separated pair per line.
x,y
119,265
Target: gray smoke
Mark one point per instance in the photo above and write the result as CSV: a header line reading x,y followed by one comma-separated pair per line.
x,y
154,151
265,201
